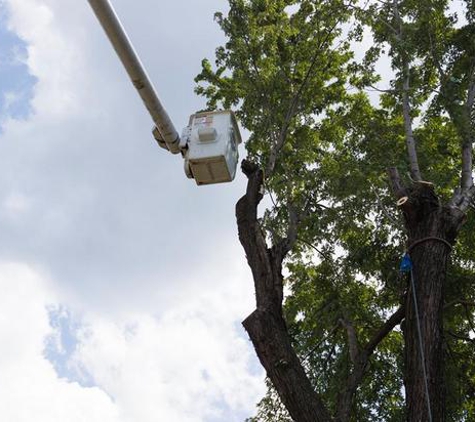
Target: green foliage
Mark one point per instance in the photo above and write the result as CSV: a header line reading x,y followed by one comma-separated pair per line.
x,y
289,69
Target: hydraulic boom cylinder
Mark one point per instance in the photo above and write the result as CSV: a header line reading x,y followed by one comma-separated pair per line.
x,y
124,49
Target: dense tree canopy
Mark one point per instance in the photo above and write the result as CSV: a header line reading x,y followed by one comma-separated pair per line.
x,y
325,126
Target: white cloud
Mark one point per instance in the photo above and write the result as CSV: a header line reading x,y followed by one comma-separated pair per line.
x,y
190,364
111,214
146,265
51,56
29,386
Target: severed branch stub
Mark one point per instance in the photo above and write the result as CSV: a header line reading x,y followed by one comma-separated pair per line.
x,y
401,201
266,326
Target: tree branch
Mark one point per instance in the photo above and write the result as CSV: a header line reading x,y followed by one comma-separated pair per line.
x,y
383,207
406,105
461,337
322,254
360,364
314,348
466,199
294,102
251,236
387,327
352,340
291,236
372,15
434,53
410,141
395,181
467,146
268,105
462,302
386,91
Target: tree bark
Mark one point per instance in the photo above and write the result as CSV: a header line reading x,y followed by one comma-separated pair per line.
x,y
432,229
268,333
266,326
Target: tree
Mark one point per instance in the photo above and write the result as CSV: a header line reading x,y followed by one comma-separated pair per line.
x,y
343,342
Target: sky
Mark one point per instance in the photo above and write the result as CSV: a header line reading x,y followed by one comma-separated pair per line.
x,y
123,283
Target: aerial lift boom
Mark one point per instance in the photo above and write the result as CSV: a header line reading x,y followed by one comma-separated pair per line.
x,y
209,142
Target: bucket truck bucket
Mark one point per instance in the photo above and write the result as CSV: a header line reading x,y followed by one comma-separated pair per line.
x,y
212,154
209,143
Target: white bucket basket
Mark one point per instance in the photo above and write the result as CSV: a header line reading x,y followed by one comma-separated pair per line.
x,y
212,154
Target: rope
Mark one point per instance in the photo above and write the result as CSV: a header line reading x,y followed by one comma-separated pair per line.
x,y
427,239
406,266
421,344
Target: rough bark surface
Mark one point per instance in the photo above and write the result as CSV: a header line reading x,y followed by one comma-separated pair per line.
x,y
268,333
266,326
431,229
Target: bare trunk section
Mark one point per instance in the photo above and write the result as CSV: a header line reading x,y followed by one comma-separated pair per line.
x,y
431,332
266,326
432,229
430,267
268,333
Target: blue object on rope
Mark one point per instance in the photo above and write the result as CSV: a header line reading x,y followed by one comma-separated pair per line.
x,y
406,267
406,264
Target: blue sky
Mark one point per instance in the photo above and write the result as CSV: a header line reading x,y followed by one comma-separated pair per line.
x,y
61,345
16,83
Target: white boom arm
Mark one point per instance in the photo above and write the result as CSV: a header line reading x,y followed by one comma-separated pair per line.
x,y
209,144
124,49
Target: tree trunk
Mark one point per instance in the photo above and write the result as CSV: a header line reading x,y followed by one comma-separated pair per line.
x,y
432,230
268,333
266,326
